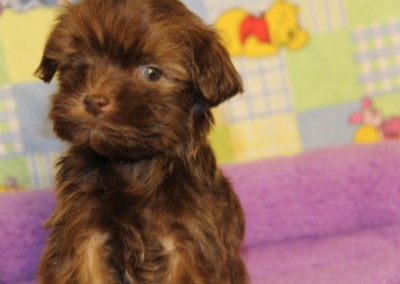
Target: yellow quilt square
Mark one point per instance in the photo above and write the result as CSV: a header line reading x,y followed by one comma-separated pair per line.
x,y
24,36
267,137
3,66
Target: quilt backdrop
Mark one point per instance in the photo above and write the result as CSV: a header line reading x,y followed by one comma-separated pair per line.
x,y
317,73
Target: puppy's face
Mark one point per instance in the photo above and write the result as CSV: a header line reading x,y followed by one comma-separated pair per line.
x,y
136,77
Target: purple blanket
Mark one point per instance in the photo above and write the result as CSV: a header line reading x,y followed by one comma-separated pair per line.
x,y
325,217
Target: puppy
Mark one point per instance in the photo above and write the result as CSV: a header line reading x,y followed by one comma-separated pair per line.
x,y
139,196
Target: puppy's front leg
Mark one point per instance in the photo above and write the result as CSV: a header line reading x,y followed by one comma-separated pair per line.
x,y
85,257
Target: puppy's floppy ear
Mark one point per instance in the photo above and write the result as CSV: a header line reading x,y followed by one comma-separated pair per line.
x,y
51,57
215,76
46,70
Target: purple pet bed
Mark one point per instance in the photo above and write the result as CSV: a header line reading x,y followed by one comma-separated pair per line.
x,y
325,217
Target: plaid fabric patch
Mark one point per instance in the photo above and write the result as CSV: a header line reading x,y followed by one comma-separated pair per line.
x,y
320,16
41,169
267,90
10,139
378,49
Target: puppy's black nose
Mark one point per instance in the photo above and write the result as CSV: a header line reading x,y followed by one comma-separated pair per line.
x,y
95,104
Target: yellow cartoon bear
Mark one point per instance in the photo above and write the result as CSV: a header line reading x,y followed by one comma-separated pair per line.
x,y
246,34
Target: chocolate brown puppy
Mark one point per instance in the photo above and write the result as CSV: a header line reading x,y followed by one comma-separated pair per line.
x,y
139,196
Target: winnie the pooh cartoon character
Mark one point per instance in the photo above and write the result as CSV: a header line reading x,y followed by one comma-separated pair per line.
x,y
249,35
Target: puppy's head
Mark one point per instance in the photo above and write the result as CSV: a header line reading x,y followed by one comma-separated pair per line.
x,y
136,77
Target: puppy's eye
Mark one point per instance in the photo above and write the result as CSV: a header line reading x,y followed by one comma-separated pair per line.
x,y
74,65
151,73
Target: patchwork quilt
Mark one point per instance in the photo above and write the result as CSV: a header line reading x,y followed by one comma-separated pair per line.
x,y
317,73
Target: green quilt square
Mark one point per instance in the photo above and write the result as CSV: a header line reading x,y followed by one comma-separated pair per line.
x,y
15,168
388,105
365,12
325,73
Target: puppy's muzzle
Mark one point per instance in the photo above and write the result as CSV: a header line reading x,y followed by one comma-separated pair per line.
x,y
95,104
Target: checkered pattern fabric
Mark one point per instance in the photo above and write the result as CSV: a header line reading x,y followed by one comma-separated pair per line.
x,y
378,54
10,139
267,90
323,16
41,169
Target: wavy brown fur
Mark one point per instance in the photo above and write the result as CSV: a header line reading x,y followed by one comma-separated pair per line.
x,y
139,196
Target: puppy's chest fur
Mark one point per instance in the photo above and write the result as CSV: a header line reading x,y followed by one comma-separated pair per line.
x,y
143,220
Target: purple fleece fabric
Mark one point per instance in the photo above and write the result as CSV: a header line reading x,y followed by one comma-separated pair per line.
x,y
21,233
324,217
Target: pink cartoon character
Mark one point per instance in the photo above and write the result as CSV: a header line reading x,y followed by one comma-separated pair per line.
x,y
374,127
